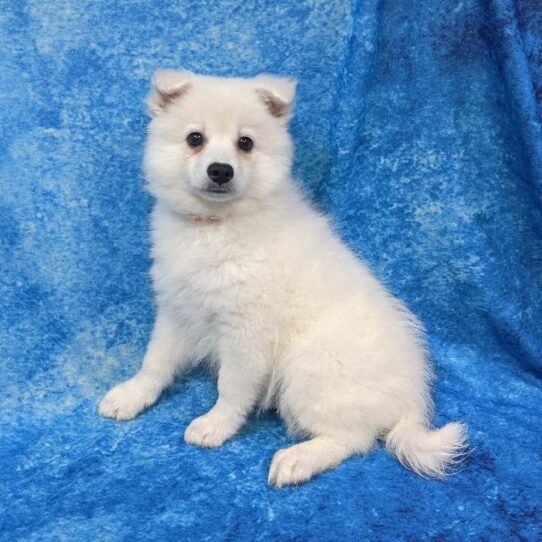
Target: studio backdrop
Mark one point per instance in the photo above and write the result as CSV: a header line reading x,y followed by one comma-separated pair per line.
x,y
417,128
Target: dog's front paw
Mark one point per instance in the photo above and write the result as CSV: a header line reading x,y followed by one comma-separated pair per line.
x,y
127,400
209,431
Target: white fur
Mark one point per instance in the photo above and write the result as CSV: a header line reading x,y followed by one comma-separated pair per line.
x,y
269,293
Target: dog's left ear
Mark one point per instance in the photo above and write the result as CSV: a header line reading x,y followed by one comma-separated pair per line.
x,y
278,94
167,86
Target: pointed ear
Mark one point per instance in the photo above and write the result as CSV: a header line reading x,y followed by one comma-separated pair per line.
x,y
167,86
278,94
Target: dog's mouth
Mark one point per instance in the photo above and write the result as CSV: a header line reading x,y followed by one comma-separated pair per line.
x,y
218,190
217,193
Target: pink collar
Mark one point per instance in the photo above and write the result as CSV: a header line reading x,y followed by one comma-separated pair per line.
x,y
204,219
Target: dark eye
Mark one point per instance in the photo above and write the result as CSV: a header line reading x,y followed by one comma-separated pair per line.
x,y
245,143
195,139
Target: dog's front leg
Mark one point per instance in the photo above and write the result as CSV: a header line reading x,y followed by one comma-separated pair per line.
x,y
166,356
243,369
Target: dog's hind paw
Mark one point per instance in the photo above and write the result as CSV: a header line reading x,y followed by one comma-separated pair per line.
x,y
290,467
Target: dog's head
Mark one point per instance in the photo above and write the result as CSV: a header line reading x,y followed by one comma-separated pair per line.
x,y
214,141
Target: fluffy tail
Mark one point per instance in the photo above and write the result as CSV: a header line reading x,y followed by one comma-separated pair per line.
x,y
429,453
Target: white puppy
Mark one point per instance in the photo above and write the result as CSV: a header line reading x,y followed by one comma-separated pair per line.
x,y
249,276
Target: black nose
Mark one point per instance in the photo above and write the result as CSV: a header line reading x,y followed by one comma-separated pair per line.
x,y
220,173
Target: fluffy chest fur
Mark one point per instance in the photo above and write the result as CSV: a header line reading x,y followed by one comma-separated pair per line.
x,y
214,277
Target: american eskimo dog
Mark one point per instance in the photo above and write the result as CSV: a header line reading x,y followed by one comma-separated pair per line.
x,y
250,277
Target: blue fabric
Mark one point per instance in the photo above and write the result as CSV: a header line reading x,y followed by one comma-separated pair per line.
x,y
418,128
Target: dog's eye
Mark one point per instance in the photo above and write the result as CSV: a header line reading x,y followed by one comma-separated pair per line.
x,y
245,143
194,139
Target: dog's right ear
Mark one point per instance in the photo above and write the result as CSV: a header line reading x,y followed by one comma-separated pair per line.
x,y
167,86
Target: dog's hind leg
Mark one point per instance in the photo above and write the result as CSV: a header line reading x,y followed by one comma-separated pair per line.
x,y
301,462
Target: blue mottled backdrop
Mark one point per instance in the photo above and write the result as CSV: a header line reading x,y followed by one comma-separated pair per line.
x,y
418,128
